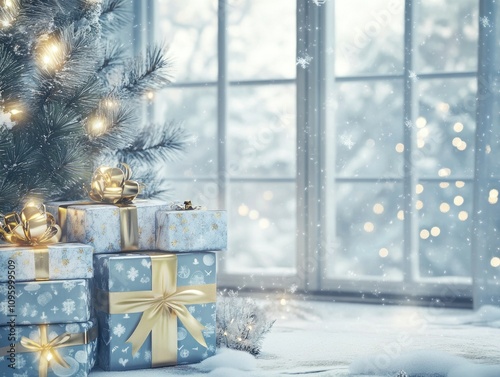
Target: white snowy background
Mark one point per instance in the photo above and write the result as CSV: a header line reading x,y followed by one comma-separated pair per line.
x,y
363,340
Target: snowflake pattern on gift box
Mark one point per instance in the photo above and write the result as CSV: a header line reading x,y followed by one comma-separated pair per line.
x,y
132,274
68,306
119,330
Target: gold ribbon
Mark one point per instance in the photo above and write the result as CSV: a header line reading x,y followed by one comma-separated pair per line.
x,y
33,226
113,185
41,260
161,307
48,349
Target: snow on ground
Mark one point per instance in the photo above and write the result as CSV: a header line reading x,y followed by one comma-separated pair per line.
x,y
334,339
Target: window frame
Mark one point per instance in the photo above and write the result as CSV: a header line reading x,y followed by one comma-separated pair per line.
x,y
315,159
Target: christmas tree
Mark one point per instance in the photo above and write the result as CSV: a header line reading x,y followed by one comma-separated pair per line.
x,y
68,96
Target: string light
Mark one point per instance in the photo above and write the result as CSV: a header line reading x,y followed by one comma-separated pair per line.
x,y
150,95
51,53
97,126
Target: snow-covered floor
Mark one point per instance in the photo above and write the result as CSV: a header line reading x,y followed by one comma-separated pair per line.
x,y
336,339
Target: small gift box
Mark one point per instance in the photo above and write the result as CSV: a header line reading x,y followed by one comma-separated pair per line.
x,y
52,262
191,230
154,309
42,302
114,220
109,228
48,350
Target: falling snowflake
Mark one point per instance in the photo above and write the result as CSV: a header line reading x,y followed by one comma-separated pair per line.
x,y
304,61
485,21
293,288
132,274
346,141
119,267
147,356
119,330
68,306
413,76
408,123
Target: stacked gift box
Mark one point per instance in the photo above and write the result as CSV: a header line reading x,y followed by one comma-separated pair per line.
x,y
45,321
155,272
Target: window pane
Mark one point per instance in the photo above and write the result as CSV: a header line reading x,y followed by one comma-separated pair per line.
x,y
445,128
261,39
190,28
196,108
262,131
445,217
368,37
369,126
369,232
261,228
447,35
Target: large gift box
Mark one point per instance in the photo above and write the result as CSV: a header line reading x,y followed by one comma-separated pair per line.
x,y
48,350
194,230
51,262
154,309
109,227
42,302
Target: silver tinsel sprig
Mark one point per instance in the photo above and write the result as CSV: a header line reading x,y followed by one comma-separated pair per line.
x,y
241,323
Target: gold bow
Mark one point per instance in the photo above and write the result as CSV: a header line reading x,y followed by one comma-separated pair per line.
x,y
161,307
113,185
33,226
48,350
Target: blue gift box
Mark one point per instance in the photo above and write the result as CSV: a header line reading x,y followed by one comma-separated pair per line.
x,y
154,309
196,230
53,350
42,302
59,261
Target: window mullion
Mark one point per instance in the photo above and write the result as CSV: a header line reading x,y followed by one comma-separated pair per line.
x,y
410,249
484,293
222,89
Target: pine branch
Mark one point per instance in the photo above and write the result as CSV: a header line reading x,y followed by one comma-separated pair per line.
x,y
113,57
11,72
55,124
115,14
70,66
149,73
68,169
156,144
10,195
84,98
111,125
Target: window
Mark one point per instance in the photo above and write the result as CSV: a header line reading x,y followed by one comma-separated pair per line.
x,y
350,141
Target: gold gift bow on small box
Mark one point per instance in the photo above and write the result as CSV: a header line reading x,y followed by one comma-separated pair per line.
x,y
48,349
160,307
114,186
35,227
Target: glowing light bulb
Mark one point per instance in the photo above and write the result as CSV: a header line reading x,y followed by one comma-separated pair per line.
x,y
150,95
46,59
15,111
49,356
8,3
282,302
97,126
54,47
5,23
